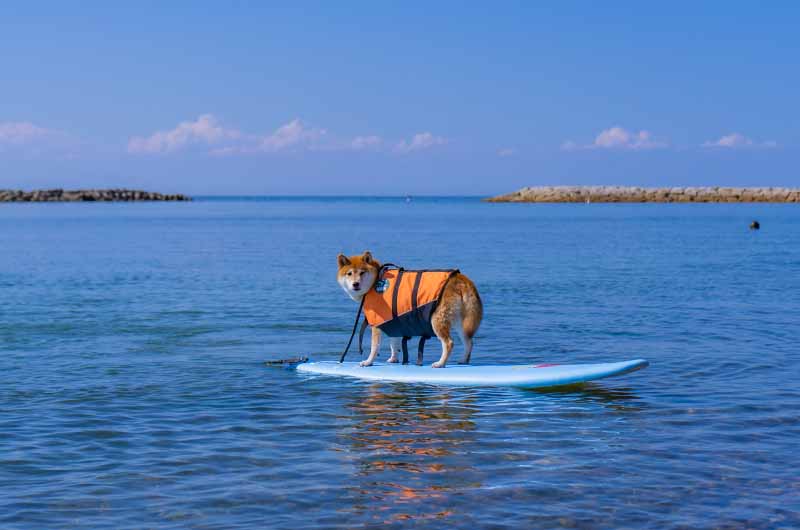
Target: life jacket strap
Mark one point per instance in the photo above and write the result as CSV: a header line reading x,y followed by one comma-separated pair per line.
x,y
396,290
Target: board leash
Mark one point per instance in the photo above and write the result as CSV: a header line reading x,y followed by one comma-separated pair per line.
x,y
355,327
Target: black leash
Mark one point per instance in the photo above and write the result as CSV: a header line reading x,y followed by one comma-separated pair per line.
x,y
355,327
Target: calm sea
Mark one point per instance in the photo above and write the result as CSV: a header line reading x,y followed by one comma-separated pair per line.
x,y
133,392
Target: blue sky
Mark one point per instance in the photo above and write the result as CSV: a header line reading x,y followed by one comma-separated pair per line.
x,y
394,98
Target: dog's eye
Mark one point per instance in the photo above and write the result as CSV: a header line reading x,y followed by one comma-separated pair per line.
x,y
349,273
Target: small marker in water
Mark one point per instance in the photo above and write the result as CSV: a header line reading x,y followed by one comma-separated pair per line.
x,y
755,225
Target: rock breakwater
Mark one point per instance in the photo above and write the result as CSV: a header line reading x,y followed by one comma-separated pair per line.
x,y
637,194
59,195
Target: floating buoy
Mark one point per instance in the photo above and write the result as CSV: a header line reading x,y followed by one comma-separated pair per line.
x,y
755,225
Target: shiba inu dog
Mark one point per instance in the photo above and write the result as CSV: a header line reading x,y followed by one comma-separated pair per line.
x,y
457,305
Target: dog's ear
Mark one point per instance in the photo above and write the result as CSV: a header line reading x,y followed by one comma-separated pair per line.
x,y
367,257
342,260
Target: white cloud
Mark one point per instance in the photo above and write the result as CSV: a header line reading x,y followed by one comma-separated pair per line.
x,y
291,136
506,152
22,133
731,140
363,143
620,139
738,141
419,141
294,136
28,139
204,130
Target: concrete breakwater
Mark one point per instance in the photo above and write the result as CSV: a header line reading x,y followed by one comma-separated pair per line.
x,y
59,195
637,194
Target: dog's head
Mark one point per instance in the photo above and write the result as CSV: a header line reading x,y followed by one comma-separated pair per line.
x,y
357,274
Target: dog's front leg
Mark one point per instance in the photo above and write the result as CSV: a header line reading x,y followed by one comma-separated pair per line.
x,y
395,343
376,344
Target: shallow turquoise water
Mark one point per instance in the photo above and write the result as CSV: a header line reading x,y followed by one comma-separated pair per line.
x,y
133,392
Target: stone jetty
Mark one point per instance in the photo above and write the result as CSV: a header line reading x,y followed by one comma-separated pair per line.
x,y
636,194
59,195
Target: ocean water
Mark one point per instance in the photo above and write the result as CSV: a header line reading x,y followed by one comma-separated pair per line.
x,y
133,390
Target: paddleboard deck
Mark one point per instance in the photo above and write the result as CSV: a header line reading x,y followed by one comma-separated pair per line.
x,y
525,376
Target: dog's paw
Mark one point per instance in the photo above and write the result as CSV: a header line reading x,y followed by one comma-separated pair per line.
x,y
438,364
365,363
393,359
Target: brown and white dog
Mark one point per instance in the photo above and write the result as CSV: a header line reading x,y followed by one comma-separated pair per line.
x,y
460,308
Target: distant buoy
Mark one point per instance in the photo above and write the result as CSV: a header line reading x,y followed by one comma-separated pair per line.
x,y
755,225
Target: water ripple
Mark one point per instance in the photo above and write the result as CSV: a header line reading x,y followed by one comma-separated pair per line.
x,y
134,394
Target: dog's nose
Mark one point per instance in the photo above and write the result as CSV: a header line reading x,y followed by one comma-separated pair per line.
x,y
356,285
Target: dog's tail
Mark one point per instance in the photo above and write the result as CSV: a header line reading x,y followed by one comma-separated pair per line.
x,y
472,307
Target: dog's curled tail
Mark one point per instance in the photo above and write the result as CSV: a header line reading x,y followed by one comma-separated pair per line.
x,y
472,306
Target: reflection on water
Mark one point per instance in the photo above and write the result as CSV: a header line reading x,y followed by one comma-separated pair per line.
x,y
418,452
620,399
409,444
133,337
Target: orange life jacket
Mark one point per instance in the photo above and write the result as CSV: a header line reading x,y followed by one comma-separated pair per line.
x,y
402,302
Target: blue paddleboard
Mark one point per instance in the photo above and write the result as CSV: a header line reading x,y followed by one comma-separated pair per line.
x,y
525,375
